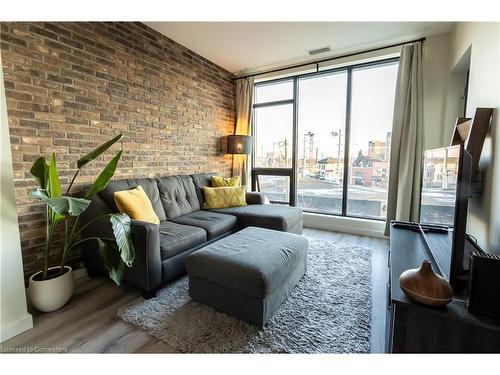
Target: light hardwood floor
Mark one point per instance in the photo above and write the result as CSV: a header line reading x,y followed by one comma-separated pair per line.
x,y
87,324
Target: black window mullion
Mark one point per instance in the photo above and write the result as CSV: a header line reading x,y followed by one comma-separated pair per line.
x,y
345,179
293,179
270,104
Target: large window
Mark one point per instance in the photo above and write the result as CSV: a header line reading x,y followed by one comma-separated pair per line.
x,y
322,141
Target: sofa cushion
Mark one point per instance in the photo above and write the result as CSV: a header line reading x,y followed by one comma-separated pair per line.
x,y
176,238
219,181
214,223
136,204
200,180
177,195
283,218
223,197
149,185
228,211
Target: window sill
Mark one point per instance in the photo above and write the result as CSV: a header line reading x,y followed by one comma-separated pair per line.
x,y
359,226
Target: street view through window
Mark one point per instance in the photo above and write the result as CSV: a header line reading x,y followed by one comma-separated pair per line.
x,y
439,185
322,105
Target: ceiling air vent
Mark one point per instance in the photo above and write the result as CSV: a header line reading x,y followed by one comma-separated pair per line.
x,y
319,50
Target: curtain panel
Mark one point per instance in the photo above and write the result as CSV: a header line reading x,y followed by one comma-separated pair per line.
x,y
407,139
244,106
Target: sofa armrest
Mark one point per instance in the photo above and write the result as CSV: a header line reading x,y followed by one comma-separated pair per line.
x,y
146,269
254,197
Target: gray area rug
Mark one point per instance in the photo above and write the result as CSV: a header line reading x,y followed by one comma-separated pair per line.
x,y
329,311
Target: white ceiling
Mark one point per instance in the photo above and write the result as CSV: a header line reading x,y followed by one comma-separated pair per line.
x,y
248,47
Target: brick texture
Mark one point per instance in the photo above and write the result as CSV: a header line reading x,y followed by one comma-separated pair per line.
x,y
72,86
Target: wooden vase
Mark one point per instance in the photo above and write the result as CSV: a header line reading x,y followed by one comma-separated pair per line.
x,y
422,285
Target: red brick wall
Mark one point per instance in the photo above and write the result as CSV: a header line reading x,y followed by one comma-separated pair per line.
x,y
72,86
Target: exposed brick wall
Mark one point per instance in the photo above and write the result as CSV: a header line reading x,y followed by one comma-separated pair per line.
x,y
72,86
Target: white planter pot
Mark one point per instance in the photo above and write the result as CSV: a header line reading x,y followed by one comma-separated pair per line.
x,y
52,294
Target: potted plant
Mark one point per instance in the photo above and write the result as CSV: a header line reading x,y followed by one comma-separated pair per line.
x,y
52,287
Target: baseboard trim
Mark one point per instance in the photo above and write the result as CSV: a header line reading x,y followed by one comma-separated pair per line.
x,y
25,323
363,227
16,327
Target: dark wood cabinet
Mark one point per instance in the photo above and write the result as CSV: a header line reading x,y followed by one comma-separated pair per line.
x,y
414,328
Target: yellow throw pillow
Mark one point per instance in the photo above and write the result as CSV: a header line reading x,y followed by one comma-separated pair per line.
x,y
222,197
136,204
219,181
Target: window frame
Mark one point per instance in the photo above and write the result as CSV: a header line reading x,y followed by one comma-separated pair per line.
x,y
292,172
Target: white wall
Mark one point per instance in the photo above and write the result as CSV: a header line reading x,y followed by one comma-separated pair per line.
x,y
436,53
483,39
455,101
14,317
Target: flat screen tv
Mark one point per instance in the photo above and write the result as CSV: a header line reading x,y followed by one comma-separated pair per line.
x,y
446,178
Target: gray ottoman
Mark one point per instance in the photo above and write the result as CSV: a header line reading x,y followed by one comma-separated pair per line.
x,y
248,274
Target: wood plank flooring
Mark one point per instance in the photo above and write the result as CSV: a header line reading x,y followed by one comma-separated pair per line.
x,y
87,324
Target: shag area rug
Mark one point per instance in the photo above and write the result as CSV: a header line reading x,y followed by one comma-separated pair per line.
x,y
329,311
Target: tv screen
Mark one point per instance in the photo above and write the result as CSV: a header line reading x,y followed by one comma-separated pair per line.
x,y
439,185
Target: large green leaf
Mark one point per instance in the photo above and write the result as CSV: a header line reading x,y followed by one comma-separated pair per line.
x,y
102,180
54,186
62,206
98,151
122,232
112,260
39,171
68,205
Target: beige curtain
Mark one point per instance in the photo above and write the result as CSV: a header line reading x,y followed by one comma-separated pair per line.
x,y
244,104
407,139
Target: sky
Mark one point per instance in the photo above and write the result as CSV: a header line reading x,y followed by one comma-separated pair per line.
x,y
322,107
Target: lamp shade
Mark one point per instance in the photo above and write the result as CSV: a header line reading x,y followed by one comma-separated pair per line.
x,y
239,144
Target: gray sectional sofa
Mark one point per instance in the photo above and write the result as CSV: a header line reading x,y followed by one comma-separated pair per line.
x,y
161,250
